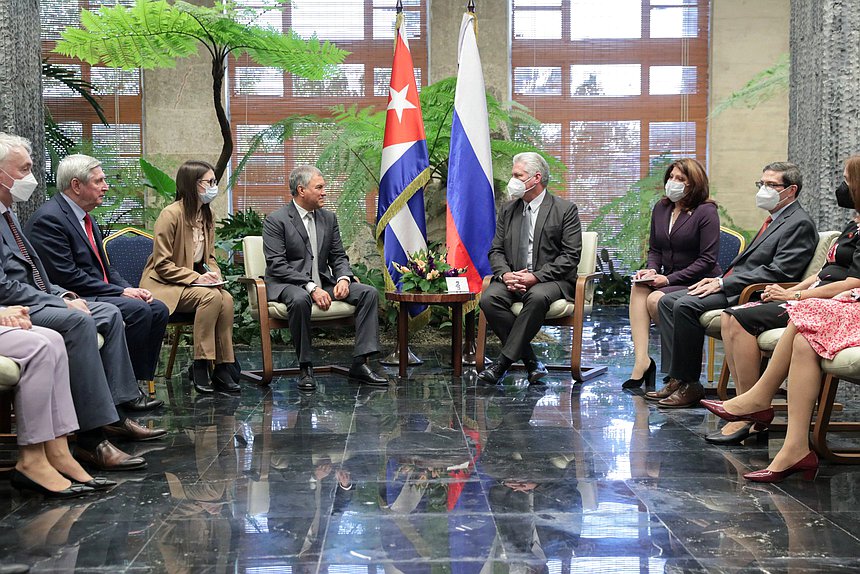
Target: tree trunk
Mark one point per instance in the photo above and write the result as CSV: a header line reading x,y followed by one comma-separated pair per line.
x,y
824,102
21,111
218,70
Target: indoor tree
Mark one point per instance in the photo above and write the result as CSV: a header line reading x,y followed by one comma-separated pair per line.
x,y
155,33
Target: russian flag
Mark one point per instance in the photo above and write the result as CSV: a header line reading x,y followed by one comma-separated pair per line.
x,y
471,218
401,227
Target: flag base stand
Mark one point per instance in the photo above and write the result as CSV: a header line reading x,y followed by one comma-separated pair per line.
x,y
394,358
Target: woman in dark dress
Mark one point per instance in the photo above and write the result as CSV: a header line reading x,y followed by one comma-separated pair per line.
x,y
683,248
742,324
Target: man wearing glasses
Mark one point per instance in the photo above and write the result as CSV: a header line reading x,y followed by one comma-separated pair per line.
x,y
780,252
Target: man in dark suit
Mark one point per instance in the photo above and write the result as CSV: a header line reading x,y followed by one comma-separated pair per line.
x,y
301,272
534,257
781,251
102,381
69,243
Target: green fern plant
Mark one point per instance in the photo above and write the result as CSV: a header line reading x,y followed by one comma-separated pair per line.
x,y
355,145
155,34
761,87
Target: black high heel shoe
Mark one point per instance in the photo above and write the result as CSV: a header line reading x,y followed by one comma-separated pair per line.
x,y
648,378
21,481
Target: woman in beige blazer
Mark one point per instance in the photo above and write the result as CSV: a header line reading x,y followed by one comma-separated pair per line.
x,y
182,273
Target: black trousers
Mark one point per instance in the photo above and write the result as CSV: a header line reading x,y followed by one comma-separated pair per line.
x,y
299,304
681,336
145,324
517,332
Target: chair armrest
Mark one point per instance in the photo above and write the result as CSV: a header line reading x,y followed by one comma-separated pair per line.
x,y
257,286
486,282
750,290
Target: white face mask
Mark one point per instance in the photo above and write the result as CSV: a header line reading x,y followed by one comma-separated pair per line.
x,y
767,198
517,188
210,194
22,189
675,190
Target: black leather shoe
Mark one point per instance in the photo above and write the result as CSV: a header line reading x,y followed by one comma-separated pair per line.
x,y
736,437
222,380
14,569
361,372
493,374
307,382
536,370
96,482
199,374
131,430
21,481
142,403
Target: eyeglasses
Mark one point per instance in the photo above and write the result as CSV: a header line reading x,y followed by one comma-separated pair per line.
x,y
759,184
211,182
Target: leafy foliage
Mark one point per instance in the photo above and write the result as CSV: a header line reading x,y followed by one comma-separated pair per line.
x,y
763,86
355,144
155,33
612,288
426,271
162,183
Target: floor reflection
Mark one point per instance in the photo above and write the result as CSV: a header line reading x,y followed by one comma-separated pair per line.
x,y
441,475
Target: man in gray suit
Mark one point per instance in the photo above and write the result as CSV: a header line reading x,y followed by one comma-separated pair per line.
x,y
101,381
306,265
534,257
780,252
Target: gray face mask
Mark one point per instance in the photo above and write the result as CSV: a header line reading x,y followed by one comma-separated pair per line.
x,y
517,188
210,194
675,190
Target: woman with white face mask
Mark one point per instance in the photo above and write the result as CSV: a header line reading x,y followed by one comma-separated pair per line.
x,y
182,273
682,249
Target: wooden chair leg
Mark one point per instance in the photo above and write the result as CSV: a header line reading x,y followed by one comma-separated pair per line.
x,y
177,333
481,345
712,347
723,383
822,419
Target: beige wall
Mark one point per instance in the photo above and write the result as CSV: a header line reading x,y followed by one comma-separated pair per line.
x,y
747,37
493,33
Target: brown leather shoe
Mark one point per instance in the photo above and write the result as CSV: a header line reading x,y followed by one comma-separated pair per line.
x,y
664,393
107,457
130,430
687,395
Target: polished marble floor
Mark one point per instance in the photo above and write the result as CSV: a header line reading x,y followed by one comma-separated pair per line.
x,y
440,475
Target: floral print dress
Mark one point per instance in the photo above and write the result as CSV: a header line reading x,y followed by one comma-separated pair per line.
x,y
829,325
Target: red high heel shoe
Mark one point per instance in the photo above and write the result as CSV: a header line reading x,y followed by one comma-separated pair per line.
x,y
762,419
808,465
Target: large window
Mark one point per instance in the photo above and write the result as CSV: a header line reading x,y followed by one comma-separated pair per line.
x,y
262,96
617,85
118,145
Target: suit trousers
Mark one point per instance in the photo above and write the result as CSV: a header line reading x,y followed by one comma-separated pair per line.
x,y
366,301
99,379
44,409
145,324
516,332
681,335
213,322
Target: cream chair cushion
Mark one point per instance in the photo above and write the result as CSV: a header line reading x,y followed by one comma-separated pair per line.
x,y
710,320
10,372
255,267
767,341
846,364
560,308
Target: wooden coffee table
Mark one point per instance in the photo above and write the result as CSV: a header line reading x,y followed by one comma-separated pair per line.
x,y
453,300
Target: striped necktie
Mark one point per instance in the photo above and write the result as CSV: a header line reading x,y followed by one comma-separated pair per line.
x,y
37,276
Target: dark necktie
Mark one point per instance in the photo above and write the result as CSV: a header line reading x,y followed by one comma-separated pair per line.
x,y
88,225
37,277
523,261
767,222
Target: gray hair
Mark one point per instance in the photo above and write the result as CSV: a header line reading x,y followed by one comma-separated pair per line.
x,y
8,142
789,172
301,176
534,163
76,166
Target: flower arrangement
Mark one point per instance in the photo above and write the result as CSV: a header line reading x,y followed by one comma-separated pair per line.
x,y
426,271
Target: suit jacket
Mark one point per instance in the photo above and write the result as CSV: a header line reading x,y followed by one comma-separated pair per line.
x,y
17,286
557,242
690,252
288,250
62,243
170,268
781,253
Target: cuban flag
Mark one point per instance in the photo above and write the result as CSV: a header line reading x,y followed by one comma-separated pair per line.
x,y
401,227
471,218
